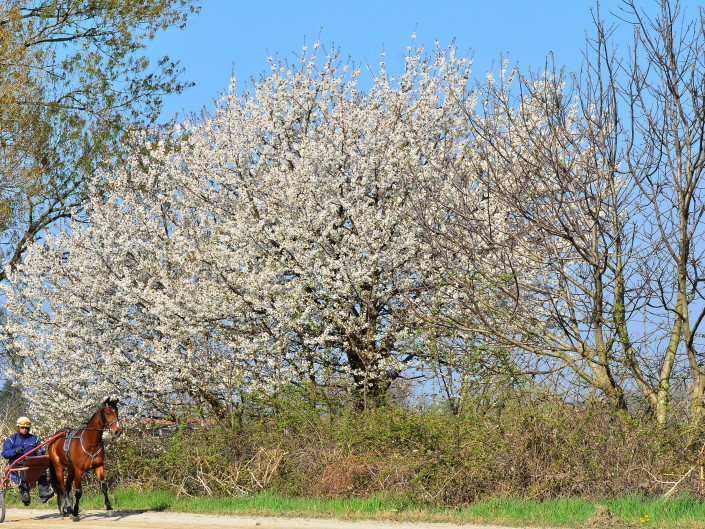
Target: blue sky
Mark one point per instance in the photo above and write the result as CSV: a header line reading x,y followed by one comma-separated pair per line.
x,y
234,37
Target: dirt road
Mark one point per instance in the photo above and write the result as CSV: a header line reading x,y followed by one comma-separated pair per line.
x,y
42,519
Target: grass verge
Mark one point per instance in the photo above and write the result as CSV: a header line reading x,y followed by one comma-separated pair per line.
x,y
629,512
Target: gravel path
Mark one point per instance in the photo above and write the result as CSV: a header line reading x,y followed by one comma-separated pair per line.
x,y
42,519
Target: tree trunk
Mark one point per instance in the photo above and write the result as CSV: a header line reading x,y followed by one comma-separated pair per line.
x,y
369,386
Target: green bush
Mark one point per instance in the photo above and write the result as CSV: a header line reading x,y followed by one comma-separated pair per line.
x,y
533,448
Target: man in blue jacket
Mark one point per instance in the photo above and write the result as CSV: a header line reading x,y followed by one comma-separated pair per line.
x,y
18,444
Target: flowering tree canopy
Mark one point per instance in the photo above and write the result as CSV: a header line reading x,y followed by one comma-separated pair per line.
x,y
267,244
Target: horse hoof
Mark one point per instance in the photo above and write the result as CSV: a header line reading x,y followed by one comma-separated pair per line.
x,y
75,518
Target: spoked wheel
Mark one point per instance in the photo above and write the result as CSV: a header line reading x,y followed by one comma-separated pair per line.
x,y
2,507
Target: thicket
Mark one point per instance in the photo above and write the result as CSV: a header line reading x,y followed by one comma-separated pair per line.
x,y
530,446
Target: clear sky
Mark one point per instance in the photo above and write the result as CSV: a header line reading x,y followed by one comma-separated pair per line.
x,y
234,37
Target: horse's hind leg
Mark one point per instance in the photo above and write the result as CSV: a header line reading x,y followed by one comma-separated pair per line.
x,y
79,491
56,474
68,498
99,472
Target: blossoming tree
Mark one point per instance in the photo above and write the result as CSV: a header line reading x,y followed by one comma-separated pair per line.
x,y
267,244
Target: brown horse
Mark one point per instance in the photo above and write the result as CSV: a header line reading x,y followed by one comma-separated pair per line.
x,y
80,451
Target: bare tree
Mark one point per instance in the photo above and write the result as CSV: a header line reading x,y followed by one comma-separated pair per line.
x,y
572,233
662,86
529,229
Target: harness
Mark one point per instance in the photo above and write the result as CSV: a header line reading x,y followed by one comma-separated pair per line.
x,y
74,434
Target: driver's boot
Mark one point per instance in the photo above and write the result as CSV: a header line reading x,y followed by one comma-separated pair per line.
x,y
45,492
24,492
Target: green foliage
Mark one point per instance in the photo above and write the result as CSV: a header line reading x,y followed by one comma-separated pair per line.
x,y
74,88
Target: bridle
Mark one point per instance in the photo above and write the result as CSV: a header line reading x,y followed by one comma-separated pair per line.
x,y
108,424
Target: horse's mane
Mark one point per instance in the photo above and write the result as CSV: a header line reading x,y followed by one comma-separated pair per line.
x,y
107,404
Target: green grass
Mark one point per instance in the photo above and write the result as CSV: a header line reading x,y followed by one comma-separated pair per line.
x,y
628,512
555,513
678,512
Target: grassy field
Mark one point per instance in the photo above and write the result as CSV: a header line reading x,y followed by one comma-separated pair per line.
x,y
677,513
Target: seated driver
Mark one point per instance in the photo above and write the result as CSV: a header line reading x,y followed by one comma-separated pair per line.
x,y
18,444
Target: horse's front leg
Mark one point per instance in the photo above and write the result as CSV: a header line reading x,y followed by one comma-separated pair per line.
x,y
99,472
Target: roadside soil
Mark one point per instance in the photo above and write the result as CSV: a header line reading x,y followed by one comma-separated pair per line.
x,y
43,519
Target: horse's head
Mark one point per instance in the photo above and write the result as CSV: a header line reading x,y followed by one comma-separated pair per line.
x,y
109,414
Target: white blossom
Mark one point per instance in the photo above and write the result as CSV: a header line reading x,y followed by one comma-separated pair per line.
x,y
268,243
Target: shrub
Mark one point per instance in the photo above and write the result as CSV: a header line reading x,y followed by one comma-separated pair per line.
x,y
533,447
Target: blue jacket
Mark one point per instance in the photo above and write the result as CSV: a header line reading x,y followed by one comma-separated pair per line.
x,y
16,440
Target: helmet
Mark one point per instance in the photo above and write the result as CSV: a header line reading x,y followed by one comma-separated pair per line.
x,y
23,421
